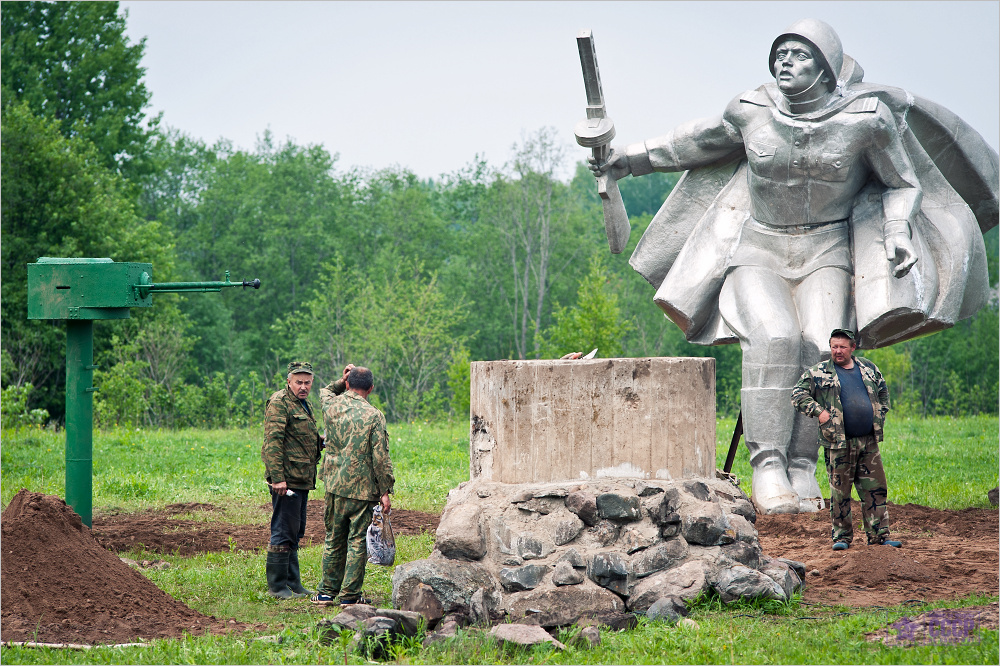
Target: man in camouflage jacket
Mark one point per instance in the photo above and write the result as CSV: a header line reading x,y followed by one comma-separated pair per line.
x,y
851,399
357,474
290,452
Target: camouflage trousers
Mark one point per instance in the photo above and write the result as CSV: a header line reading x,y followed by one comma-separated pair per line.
x,y
860,465
344,551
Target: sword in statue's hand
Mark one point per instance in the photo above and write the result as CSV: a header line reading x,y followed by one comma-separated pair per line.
x,y
596,132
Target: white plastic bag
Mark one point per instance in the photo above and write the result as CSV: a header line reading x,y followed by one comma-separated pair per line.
x,y
381,542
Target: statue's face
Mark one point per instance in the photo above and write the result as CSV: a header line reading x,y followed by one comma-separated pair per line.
x,y
795,67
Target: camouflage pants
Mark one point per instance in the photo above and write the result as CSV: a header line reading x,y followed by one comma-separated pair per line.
x,y
344,551
860,465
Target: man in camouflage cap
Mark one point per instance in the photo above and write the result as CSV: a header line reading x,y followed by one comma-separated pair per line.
x,y
291,450
851,399
357,474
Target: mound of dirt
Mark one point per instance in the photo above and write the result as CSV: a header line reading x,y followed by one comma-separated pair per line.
x,y
945,555
158,531
60,586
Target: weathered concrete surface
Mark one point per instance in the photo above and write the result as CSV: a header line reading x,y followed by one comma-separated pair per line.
x,y
541,421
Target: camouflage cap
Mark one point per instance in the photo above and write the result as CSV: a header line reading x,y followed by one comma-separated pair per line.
x,y
843,332
297,367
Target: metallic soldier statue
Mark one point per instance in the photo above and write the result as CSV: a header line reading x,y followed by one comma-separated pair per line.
x,y
813,203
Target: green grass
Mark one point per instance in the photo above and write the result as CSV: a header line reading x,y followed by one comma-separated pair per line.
x,y
941,462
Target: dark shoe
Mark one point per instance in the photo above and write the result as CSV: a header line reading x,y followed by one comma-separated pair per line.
x,y
350,601
294,580
841,545
894,544
321,599
277,575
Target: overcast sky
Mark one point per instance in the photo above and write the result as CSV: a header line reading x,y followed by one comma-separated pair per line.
x,y
428,85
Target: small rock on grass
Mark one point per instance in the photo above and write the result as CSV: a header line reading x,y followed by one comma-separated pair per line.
x,y
688,623
447,630
523,634
589,637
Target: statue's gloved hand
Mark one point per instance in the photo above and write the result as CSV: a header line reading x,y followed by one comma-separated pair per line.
x,y
899,250
616,166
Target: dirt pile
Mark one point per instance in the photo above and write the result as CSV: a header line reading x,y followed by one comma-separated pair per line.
x,y
59,585
945,555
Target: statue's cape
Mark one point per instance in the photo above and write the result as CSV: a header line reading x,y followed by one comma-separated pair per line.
x,y
686,249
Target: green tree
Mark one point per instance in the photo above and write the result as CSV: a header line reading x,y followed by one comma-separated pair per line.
x,y
72,63
58,201
595,321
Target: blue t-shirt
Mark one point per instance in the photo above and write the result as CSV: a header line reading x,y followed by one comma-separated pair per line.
x,y
858,417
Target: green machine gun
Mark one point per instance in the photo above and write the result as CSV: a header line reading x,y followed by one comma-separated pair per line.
x,y
81,290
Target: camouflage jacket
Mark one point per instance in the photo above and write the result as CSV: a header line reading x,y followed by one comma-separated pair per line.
x,y
291,442
357,463
819,389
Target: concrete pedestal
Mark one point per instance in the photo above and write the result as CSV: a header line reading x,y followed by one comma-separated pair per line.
x,y
541,421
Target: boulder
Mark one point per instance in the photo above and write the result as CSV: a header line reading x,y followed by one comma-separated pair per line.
x,y
567,530
354,616
613,620
453,582
705,524
643,489
783,575
445,631
797,567
375,634
526,577
609,570
637,537
743,553
663,556
523,634
533,547
614,506
605,532
564,604
583,504
667,608
686,581
743,582
565,574
699,490
573,558
423,600
407,622
460,534
484,607
743,528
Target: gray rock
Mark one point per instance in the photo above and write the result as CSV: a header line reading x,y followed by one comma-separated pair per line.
x,y
643,489
461,619
705,524
588,638
797,567
445,631
460,535
523,634
613,620
353,617
512,561
688,623
452,581
423,600
686,581
562,605
526,577
743,528
408,622
994,496
609,570
565,574
567,530
531,547
536,505
698,489
743,553
484,606
667,608
745,508
663,556
637,537
573,558
613,506
584,505
783,575
375,633
743,582
605,532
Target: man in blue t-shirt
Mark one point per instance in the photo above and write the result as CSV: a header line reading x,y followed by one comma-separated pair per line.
x,y
851,399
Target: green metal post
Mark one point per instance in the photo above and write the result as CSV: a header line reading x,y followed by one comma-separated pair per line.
x,y
80,416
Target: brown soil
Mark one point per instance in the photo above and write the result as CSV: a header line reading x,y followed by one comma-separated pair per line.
x,y
157,531
61,586
945,555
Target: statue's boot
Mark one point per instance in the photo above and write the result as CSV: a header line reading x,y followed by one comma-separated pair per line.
x,y
803,452
767,424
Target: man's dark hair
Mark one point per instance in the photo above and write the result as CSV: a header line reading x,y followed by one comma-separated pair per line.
x,y
361,379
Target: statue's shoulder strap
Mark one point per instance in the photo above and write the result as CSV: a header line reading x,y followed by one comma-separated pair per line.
x,y
866,104
756,97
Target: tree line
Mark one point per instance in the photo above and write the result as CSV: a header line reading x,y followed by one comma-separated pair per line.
x,y
411,277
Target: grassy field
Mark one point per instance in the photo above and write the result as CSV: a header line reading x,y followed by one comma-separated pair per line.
x,y
946,463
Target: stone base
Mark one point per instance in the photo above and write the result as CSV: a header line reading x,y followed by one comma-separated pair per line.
x,y
581,548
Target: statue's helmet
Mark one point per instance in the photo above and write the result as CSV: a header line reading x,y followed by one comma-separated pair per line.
x,y
824,42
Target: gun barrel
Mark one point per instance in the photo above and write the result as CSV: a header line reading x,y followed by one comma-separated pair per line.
x,y
146,286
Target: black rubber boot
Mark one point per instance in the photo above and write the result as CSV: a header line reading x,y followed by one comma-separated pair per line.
x,y
277,575
294,579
